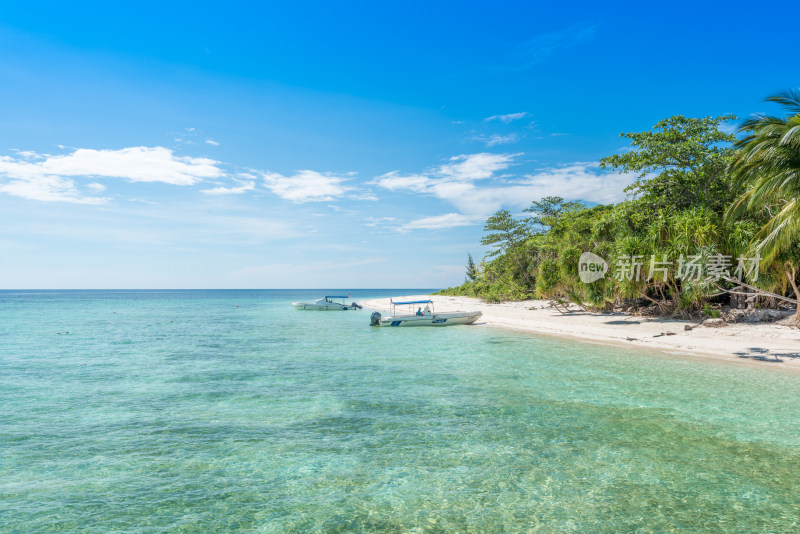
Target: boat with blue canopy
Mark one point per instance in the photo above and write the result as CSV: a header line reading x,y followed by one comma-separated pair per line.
x,y
328,303
423,316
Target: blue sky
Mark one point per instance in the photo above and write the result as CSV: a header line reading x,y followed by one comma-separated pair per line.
x,y
347,145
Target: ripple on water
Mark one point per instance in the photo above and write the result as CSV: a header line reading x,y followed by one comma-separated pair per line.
x,y
184,412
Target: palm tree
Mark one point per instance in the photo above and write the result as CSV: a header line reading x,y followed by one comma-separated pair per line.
x,y
769,164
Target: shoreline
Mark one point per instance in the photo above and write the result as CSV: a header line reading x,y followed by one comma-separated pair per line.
x,y
762,344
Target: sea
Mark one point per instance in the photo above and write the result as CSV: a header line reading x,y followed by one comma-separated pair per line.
x,y
231,411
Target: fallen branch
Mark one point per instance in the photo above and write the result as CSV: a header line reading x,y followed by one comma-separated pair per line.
x,y
661,305
759,292
554,304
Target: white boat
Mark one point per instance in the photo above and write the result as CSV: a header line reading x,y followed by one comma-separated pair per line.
x,y
426,317
327,303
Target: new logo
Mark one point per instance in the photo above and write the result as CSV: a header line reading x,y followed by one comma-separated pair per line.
x,y
591,267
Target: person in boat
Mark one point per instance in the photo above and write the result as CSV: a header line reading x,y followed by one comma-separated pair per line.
x,y
419,311
427,310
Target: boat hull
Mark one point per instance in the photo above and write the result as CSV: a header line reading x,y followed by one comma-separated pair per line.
x,y
318,307
438,319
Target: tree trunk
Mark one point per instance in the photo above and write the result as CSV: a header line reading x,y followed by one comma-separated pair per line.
x,y
791,273
654,301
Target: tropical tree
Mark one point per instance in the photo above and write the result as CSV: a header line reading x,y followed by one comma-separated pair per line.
x,y
507,235
769,165
472,269
682,162
679,233
546,211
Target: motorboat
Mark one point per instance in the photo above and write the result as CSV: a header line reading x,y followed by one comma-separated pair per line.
x,y
422,317
328,303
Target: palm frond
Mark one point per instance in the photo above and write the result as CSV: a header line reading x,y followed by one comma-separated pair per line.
x,y
789,98
769,163
780,232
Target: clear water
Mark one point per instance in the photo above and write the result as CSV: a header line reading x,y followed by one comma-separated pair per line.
x,y
223,411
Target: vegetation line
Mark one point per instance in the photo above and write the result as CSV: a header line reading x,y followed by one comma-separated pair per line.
x,y
710,215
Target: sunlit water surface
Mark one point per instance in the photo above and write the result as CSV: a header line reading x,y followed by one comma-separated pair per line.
x,y
220,411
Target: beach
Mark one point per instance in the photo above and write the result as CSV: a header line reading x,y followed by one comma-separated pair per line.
x,y
770,343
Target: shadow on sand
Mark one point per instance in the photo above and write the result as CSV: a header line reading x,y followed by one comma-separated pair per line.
x,y
763,355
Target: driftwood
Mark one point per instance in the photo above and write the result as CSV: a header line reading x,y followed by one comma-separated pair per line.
x,y
558,305
758,292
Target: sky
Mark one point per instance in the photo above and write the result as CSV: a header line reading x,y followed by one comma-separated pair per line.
x,y
335,145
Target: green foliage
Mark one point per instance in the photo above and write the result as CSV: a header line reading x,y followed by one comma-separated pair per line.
x,y
568,262
768,167
548,279
681,163
547,212
595,294
683,205
769,164
711,312
503,232
507,235
472,269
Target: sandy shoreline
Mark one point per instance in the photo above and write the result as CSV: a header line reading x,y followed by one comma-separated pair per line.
x,y
768,344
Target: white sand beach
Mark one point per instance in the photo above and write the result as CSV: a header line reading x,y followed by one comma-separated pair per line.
x,y
763,343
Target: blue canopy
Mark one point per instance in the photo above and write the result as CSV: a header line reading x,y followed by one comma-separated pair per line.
x,y
335,297
413,302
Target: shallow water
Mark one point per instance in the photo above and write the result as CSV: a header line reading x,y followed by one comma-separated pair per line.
x,y
229,410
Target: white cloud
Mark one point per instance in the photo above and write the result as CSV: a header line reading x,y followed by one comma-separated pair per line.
x,y
29,154
211,142
475,166
230,190
136,164
440,222
54,178
48,178
452,182
507,118
497,139
366,197
306,186
577,181
393,181
47,189
465,185
448,189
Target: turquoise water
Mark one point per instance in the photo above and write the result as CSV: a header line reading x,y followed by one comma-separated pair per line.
x,y
223,411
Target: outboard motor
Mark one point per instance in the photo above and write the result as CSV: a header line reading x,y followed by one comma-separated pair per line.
x,y
356,306
375,319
